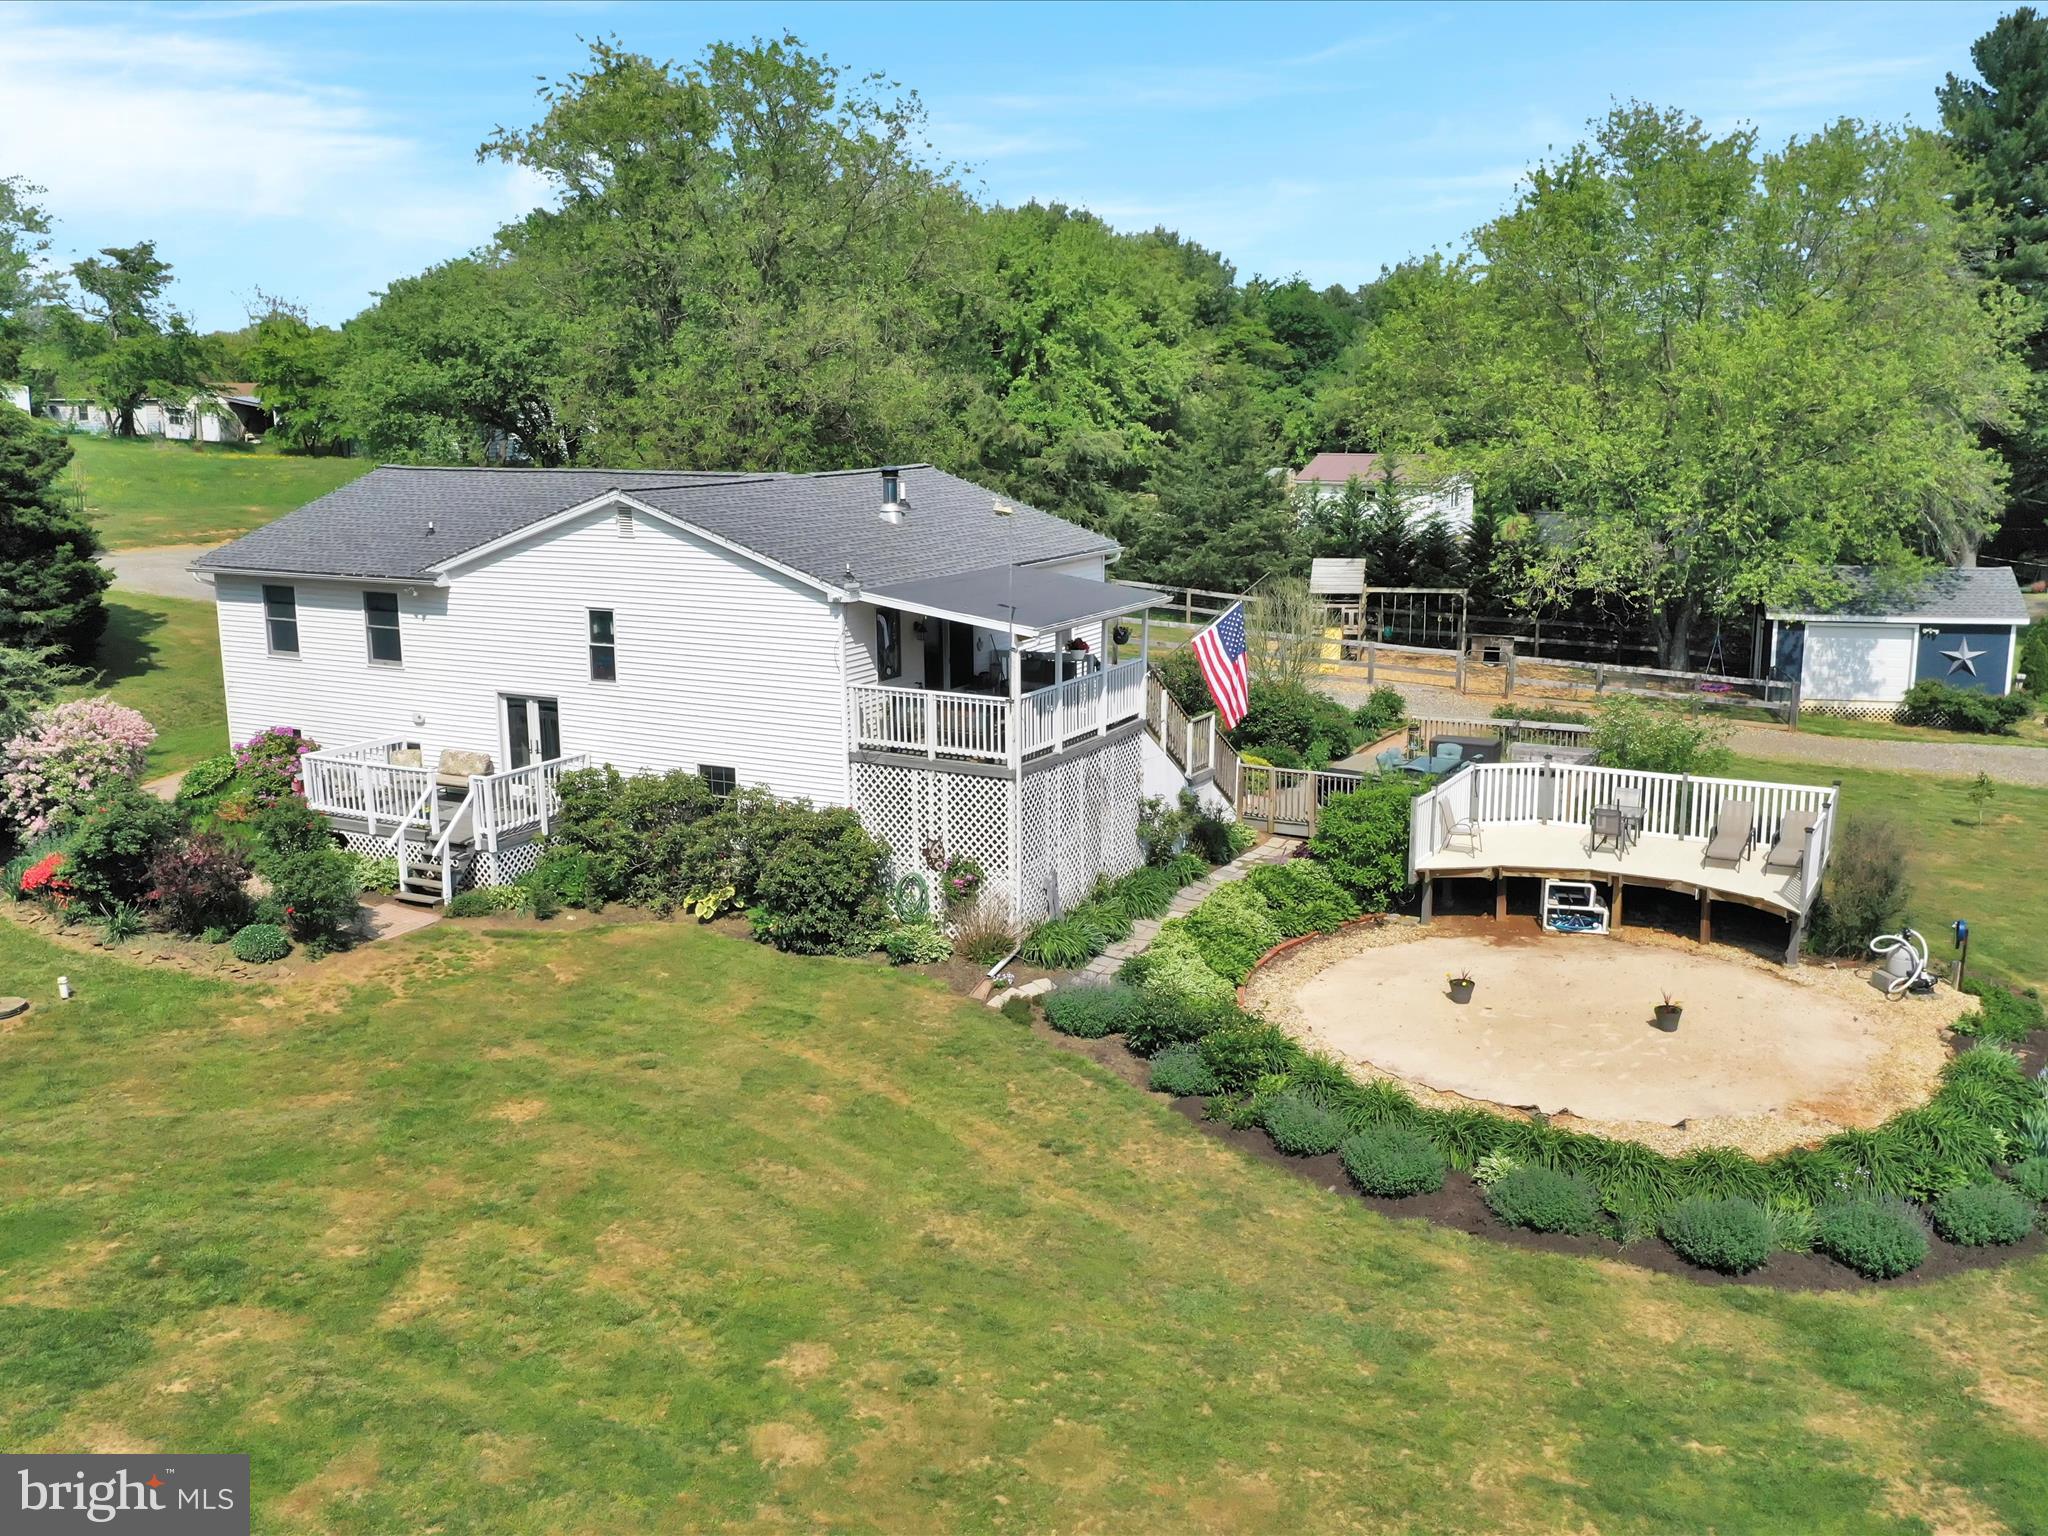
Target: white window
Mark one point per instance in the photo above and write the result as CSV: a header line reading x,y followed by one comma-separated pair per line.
x,y
720,781
281,618
380,622
604,651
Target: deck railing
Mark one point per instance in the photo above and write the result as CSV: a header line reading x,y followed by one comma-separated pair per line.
x,y
362,781
1677,805
975,727
520,799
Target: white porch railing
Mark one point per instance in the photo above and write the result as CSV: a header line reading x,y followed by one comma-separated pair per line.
x,y
521,798
977,727
363,781
1676,805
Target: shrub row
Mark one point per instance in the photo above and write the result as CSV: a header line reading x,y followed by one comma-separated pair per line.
x,y
2004,1016
1947,707
1069,942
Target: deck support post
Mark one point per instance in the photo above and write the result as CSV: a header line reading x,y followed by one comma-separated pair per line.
x,y
1706,916
1614,904
1500,896
1428,897
1797,936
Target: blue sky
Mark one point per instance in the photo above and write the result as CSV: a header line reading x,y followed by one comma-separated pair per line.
x,y
319,150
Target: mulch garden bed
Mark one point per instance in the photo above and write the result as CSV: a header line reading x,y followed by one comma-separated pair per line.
x,y
1460,1206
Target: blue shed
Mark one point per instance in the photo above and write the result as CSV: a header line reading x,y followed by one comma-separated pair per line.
x,y
1866,647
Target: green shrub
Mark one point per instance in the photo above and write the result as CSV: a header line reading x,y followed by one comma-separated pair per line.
x,y
1302,897
486,901
261,943
915,944
1982,1215
1631,733
1382,712
1393,1161
1302,1124
1162,1018
376,875
982,933
1106,915
1730,1234
1147,893
819,888
1174,965
1187,868
2030,1177
1016,1009
1544,1200
113,843
206,780
1362,840
120,922
318,890
1542,714
1242,1052
569,877
285,826
1947,707
1062,944
1231,929
1792,1226
1089,1013
2002,1014
1866,890
1180,1071
1311,724
1878,1236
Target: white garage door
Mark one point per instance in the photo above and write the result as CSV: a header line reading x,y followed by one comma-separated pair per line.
x,y
1864,662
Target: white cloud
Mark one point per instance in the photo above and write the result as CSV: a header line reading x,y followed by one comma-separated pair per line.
x,y
145,123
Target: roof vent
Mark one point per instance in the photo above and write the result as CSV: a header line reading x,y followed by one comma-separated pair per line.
x,y
894,503
430,527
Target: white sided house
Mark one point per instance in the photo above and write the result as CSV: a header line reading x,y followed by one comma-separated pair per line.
x,y
955,668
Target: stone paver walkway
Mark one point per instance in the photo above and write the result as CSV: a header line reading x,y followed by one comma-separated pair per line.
x,y
1273,850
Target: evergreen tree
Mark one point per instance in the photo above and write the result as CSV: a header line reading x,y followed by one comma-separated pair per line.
x,y
1223,519
50,585
2000,127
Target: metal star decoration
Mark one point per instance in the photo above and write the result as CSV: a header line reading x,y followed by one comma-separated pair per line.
x,y
1962,658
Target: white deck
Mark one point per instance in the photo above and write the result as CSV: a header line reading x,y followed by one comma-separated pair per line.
x,y
1536,819
1557,850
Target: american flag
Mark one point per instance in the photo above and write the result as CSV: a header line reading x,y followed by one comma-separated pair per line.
x,y
1222,653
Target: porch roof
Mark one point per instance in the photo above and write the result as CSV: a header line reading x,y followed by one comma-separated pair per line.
x,y
1027,600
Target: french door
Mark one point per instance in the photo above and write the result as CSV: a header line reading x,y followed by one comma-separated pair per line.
x,y
533,731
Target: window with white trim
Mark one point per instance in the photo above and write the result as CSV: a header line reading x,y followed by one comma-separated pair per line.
x,y
720,781
380,624
281,619
604,651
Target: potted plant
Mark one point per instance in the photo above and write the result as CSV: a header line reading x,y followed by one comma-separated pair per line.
x,y
1461,986
1668,1012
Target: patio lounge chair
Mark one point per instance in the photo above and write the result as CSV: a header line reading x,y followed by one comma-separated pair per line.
x,y
1795,832
1453,825
1390,759
1732,829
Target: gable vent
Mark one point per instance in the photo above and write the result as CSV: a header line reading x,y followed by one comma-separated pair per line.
x,y
624,517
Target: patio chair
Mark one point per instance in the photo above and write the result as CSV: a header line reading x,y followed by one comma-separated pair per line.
x,y
1453,825
1609,826
1390,760
1788,852
1733,827
1629,801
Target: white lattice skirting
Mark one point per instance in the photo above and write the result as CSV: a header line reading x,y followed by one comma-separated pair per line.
x,y
1848,710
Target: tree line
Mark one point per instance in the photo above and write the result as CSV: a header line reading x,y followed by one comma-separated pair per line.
x,y
1686,372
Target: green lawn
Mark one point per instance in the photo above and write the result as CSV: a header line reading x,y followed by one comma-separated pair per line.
x,y
2028,733
161,655
601,1229
145,491
1984,873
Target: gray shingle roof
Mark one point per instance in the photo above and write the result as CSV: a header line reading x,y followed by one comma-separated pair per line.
x,y
1987,594
819,524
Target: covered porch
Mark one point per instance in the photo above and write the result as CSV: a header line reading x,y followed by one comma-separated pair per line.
x,y
1014,665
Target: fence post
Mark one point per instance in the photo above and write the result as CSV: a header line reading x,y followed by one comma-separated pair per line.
x,y
1372,651
1461,665
1508,687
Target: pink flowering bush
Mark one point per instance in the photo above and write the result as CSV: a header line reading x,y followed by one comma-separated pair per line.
x,y
67,754
268,763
